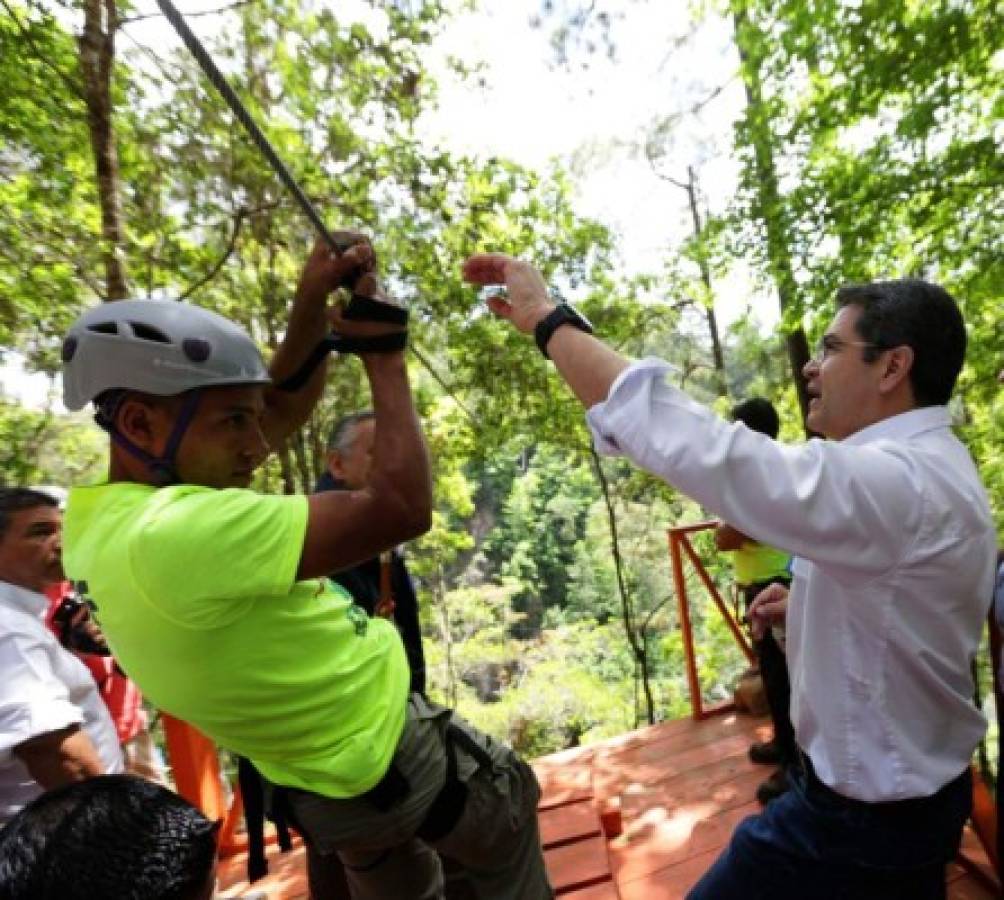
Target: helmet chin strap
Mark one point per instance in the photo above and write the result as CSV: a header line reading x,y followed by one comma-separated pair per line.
x,y
162,467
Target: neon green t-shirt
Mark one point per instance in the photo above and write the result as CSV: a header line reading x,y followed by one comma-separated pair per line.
x,y
196,593
759,562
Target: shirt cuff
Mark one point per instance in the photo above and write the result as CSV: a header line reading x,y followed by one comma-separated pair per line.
x,y
20,725
599,417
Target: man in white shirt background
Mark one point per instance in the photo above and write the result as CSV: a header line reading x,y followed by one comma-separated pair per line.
x,y
54,727
895,551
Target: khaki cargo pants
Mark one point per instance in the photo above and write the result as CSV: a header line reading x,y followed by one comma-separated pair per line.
x,y
495,841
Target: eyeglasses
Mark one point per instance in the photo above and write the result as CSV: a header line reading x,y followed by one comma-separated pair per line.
x,y
830,344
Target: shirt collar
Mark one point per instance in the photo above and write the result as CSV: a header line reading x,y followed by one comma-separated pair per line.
x,y
903,426
22,599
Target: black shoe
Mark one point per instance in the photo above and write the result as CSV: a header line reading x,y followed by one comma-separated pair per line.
x,y
773,787
765,753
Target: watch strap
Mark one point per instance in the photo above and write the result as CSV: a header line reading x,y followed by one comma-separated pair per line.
x,y
562,314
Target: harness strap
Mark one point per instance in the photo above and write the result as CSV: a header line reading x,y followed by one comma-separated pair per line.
x,y
163,466
381,343
385,605
448,806
366,309
389,790
339,343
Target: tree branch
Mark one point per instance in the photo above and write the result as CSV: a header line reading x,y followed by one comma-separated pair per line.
x,y
190,15
67,80
421,357
238,221
57,253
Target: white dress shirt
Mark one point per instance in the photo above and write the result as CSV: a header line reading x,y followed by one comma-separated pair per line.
x,y
43,688
895,547
999,612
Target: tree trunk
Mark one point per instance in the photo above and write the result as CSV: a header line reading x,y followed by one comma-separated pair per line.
x,y
635,640
716,344
445,630
97,57
315,443
299,445
768,204
286,466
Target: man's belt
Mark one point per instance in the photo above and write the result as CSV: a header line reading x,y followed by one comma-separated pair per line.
x,y
803,765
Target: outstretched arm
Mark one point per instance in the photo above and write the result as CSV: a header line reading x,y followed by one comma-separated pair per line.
x,y
828,502
588,365
346,527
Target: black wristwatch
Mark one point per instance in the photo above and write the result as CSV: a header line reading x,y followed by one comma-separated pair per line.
x,y
563,314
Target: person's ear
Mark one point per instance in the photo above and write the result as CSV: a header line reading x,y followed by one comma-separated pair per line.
x,y
143,424
897,366
335,466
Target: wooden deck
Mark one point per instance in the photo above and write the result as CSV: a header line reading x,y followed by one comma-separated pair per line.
x,y
680,788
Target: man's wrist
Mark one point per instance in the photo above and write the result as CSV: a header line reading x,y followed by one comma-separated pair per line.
x,y
540,313
561,315
388,361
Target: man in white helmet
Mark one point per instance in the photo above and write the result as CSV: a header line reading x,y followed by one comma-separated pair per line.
x,y
213,597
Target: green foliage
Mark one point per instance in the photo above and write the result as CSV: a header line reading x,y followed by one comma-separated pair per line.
x,y
541,522
40,448
47,193
868,148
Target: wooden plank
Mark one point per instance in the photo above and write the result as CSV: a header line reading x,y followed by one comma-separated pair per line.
x,y
671,883
578,865
559,787
605,890
565,824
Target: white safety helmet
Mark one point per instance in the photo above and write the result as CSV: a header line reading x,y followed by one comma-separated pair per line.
x,y
160,347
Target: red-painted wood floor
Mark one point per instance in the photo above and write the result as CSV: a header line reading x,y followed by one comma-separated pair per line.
x,y
675,790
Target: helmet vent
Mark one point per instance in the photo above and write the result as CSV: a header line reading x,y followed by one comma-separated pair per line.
x,y
148,333
104,328
196,349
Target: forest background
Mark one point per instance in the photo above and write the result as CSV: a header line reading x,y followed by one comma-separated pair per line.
x,y
867,143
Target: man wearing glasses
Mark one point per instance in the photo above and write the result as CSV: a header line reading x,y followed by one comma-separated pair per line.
x,y
895,551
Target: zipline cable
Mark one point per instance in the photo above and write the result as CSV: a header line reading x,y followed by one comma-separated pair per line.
x,y
205,61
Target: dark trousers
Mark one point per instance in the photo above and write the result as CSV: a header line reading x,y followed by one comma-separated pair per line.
x,y
495,841
253,794
774,674
813,844
1000,797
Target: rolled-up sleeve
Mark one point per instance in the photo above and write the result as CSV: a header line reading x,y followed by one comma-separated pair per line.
x,y
33,701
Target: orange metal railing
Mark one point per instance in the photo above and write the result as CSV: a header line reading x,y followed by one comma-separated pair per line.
x,y
680,548
195,765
